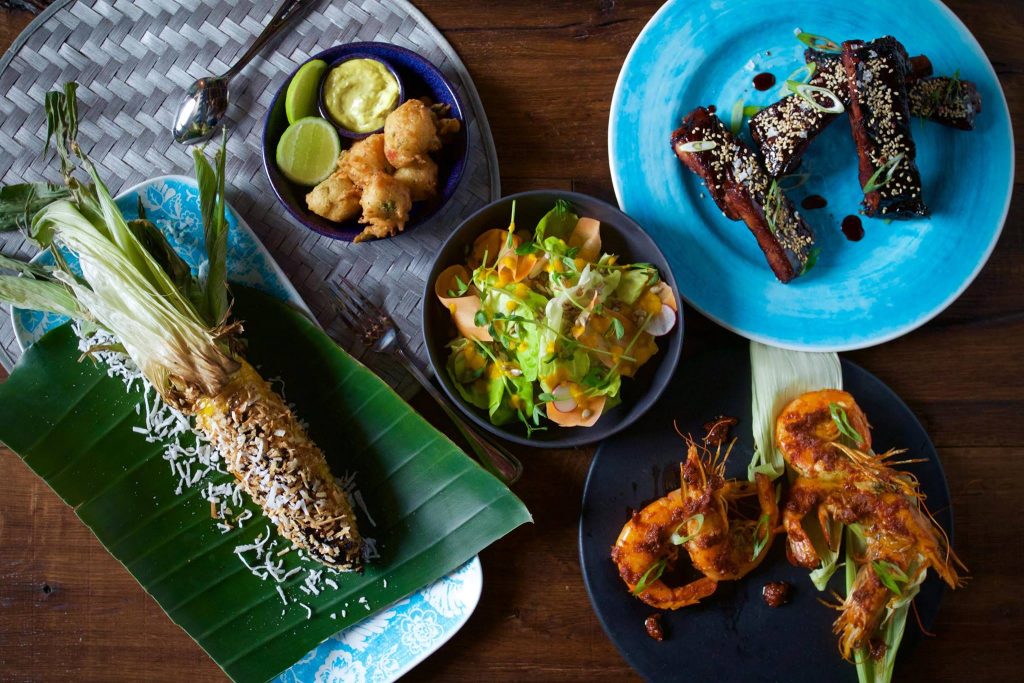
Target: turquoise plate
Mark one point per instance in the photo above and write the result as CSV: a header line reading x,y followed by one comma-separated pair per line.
x,y
389,643
902,274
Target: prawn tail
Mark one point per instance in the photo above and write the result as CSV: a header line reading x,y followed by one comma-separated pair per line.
x,y
862,611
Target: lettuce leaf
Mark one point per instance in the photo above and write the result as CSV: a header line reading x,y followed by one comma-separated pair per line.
x,y
558,222
500,394
631,285
465,378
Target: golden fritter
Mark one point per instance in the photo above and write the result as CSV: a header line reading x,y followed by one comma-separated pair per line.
x,y
363,159
410,134
420,178
385,203
336,199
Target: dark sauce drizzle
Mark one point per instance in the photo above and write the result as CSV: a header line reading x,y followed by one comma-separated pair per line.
x,y
814,201
764,80
853,229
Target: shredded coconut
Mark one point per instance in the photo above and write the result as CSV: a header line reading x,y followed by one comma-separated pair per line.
x,y
194,463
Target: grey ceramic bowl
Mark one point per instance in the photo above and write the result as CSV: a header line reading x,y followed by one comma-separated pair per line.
x,y
620,235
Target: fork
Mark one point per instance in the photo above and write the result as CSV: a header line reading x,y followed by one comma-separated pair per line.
x,y
380,334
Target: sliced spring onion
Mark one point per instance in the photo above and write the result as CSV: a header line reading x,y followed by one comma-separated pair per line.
x,y
808,92
819,43
842,421
890,575
772,206
801,75
680,540
888,169
650,576
698,146
736,122
761,535
812,260
751,110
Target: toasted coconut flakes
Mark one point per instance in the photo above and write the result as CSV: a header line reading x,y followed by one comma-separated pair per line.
x,y
193,461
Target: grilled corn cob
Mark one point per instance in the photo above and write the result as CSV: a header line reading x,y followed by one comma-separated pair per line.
x,y
278,465
176,329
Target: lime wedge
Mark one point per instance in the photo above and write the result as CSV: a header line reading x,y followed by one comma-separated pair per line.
x,y
303,92
308,151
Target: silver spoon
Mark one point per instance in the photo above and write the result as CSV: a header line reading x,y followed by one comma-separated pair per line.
x,y
200,113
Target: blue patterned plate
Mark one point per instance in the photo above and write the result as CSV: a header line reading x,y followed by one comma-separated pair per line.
x,y
390,643
700,52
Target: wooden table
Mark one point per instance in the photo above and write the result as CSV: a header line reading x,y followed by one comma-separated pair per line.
x,y
546,70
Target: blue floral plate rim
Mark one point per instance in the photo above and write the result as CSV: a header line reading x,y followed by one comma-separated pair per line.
x,y
391,642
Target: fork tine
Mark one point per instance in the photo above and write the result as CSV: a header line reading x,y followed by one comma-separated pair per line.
x,y
343,307
344,295
361,301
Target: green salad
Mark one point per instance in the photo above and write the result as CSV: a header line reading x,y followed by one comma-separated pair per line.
x,y
548,324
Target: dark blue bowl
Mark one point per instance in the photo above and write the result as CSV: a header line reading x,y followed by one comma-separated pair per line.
x,y
419,78
620,235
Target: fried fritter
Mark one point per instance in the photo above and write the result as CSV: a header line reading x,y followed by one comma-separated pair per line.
x,y
385,203
410,134
336,199
448,127
363,159
420,178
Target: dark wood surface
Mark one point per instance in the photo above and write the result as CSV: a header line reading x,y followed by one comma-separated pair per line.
x,y
546,70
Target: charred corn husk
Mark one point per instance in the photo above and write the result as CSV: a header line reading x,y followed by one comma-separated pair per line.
x,y
278,465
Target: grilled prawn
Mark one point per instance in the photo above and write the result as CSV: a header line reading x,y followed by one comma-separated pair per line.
x,y
825,438
703,517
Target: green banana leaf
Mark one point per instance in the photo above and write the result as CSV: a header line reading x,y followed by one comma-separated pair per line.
x,y
433,507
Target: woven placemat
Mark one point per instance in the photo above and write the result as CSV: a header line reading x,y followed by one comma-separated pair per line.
x,y
134,60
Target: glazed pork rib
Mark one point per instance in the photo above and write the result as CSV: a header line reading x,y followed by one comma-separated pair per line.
x,y
948,101
880,121
784,130
744,191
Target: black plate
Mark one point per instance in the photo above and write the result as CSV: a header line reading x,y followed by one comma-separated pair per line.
x,y
733,635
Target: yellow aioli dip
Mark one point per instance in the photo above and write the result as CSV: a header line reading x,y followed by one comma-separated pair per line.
x,y
360,93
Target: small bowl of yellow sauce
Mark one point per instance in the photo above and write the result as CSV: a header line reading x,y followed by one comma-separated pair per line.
x,y
358,92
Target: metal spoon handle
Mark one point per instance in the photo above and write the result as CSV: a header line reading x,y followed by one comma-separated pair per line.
x,y
285,13
495,458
